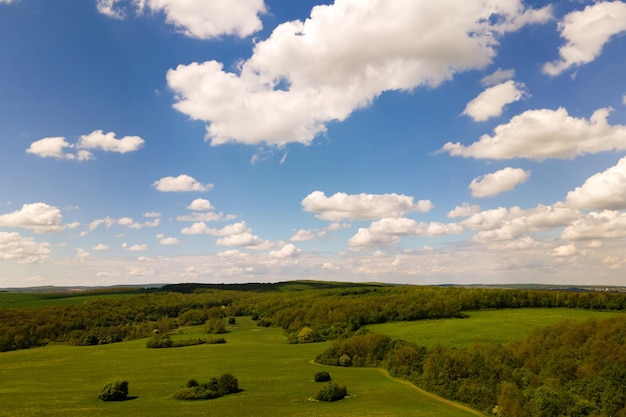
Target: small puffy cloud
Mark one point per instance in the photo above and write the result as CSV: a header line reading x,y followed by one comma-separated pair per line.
x,y
100,247
497,182
309,73
108,8
586,32
39,217
542,134
497,77
388,231
607,224
81,254
565,250
287,251
24,250
52,148
200,204
57,147
108,143
135,248
168,241
491,102
151,214
181,183
302,236
127,222
602,191
208,19
341,206
247,240
464,210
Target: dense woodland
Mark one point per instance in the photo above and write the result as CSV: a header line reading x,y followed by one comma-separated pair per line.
x,y
567,370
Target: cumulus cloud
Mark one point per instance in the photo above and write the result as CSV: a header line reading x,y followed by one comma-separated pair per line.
x,y
497,182
14,247
287,251
209,19
57,147
108,8
39,217
127,222
181,183
302,236
544,133
135,248
100,247
586,32
388,231
200,204
491,102
236,234
565,250
607,224
497,77
306,74
602,191
168,241
464,210
503,224
341,206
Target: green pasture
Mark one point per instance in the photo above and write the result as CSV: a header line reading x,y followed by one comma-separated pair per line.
x,y
484,326
16,299
276,379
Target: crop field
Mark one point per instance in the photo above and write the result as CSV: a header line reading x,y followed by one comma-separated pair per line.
x,y
276,379
485,326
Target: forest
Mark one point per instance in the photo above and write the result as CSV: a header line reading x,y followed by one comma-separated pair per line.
x,y
572,369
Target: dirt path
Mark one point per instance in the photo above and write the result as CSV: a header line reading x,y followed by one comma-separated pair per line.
x,y
423,392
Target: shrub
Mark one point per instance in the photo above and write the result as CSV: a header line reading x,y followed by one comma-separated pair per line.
x,y
215,325
232,320
160,341
332,392
226,384
114,391
321,376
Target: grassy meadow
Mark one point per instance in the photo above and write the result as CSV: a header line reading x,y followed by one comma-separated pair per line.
x,y
485,326
276,379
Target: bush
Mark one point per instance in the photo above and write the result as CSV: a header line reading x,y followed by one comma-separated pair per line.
x,y
114,391
226,384
215,325
332,392
232,320
322,376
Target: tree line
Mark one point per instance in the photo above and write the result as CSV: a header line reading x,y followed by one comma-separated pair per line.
x,y
307,313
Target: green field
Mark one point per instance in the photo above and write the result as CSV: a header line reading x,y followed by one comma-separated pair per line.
x,y
276,379
485,326
14,299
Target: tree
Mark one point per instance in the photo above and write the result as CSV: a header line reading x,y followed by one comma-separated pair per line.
x,y
321,376
114,391
332,392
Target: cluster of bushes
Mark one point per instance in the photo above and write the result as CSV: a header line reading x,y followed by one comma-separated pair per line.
x,y
165,341
215,388
331,391
114,391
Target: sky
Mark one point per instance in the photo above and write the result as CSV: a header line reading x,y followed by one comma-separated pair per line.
x,y
396,141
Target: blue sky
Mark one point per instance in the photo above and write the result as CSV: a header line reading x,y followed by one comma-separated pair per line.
x,y
404,141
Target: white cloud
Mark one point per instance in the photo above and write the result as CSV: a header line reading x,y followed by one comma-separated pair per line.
x,y
7,1
491,102
168,241
81,254
586,33
541,134
135,248
509,224
55,147
209,19
341,206
100,247
302,236
602,191
497,77
108,143
200,204
309,73
497,182
388,231
181,183
151,214
287,251
14,247
607,224
565,250
464,210
107,8
127,222
39,217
